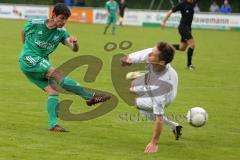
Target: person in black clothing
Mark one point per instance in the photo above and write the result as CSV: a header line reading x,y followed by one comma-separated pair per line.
x,y
122,7
186,8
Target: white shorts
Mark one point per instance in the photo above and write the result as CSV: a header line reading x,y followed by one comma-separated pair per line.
x,y
148,104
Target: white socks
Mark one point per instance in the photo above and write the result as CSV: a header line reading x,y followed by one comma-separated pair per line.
x,y
169,123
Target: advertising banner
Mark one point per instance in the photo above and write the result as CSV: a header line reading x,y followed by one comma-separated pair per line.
x,y
23,12
99,16
81,15
132,17
201,20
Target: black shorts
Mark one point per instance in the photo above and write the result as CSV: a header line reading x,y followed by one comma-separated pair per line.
x,y
185,32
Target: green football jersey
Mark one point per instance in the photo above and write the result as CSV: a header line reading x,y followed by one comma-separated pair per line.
x,y
41,41
112,7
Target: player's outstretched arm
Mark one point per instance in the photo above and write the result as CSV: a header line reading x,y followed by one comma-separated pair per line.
x,y
152,147
169,13
72,43
125,61
136,57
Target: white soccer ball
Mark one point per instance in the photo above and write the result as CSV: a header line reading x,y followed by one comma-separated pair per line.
x,y
197,117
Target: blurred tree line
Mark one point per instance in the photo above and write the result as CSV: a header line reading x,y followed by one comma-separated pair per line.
x,y
134,4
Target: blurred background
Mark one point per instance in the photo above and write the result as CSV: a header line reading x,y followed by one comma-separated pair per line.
x,y
204,5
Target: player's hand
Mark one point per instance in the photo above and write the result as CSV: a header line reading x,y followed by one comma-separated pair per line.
x,y
125,61
162,24
151,148
72,39
72,43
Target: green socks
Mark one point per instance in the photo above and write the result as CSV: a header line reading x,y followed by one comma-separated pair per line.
x,y
74,87
52,104
52,107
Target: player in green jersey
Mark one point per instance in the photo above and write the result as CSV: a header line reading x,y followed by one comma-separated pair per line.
x,y
113,12
41,37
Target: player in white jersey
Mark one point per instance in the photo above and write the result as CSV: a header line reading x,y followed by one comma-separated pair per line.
x,y
156,89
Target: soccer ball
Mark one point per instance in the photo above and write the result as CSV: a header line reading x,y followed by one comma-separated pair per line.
x,y
197,117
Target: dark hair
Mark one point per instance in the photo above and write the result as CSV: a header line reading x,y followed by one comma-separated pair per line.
x,y
167,52
61,8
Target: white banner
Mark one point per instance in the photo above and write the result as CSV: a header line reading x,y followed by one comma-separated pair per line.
x,y
23,12
100,16
134,18
130,18
201,20
153,18
216,21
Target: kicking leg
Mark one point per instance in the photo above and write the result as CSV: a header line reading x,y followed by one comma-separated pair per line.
x,y
68,84
73,86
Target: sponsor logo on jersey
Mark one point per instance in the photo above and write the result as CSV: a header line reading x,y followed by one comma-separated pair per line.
x,y
44,44
40,32
55,38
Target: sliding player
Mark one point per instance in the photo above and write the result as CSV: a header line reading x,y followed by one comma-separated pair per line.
x,y
156,89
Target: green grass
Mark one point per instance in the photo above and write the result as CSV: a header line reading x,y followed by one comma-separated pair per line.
x,y
215,85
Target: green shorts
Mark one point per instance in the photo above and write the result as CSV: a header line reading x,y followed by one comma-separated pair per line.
x,y
112,19
35,68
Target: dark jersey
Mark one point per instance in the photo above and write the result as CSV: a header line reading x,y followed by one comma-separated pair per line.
x,y
187,12
122,7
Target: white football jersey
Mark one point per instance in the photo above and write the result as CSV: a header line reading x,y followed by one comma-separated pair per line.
x,y
155,89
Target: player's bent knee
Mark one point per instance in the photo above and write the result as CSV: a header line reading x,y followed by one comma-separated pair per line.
x,y
55,74
191,43
183,46
51,91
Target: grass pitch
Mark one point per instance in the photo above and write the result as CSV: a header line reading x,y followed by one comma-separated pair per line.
x,y
215,86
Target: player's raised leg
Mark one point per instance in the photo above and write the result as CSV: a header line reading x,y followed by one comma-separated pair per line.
x,y
73,86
